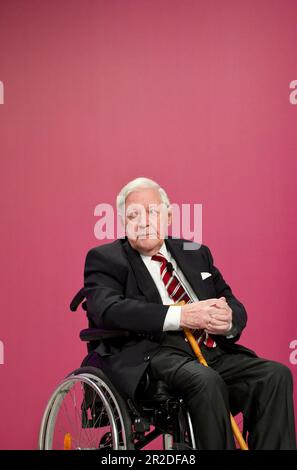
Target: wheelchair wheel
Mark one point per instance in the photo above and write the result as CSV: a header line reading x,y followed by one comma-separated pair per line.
x,y
86,412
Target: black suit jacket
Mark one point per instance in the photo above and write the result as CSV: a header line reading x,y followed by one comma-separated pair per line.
x,y
121,294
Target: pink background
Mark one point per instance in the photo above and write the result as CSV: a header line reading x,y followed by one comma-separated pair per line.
x,y
194,94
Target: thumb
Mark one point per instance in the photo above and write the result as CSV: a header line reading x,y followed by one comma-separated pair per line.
x,y
211,302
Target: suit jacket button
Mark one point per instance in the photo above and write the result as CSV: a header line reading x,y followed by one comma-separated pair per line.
x,y
146,358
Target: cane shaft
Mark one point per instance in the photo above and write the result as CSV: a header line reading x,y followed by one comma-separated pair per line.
x,y
196,348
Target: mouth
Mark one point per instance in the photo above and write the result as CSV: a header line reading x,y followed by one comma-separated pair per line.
x,y
147,235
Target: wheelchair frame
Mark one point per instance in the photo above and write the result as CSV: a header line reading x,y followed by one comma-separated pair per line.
x,y
104,418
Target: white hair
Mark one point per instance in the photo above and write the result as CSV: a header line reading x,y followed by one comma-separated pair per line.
x,y
139,183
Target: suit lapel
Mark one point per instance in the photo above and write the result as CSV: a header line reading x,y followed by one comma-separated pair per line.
x,y
143,278
189,264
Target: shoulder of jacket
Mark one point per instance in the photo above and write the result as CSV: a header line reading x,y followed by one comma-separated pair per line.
x,y
106,248
197,247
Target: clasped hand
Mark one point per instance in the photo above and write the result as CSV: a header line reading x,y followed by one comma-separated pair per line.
x,y
212,315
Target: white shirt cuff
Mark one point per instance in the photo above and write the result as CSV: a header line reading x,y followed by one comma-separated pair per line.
x,y
231,332
172,319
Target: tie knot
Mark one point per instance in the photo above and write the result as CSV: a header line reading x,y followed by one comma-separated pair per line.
x,y
159,257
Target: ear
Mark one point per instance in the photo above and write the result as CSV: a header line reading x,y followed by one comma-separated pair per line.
x,y
121,224
169,216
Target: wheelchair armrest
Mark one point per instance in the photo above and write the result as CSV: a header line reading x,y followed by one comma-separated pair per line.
x,y
77,300
95,334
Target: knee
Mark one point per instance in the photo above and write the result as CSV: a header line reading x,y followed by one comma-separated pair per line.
x,y
209,382
278,372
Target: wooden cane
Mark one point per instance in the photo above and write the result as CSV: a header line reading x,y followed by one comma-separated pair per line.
x,y
196,348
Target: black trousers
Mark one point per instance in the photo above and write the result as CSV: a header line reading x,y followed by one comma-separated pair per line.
x,y
260,388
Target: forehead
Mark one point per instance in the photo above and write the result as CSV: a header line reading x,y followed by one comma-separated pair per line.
x,y
144,196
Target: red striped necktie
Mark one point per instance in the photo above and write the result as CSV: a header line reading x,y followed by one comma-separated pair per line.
x,y
177,293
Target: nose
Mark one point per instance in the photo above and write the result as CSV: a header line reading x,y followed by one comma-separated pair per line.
x,y
144,220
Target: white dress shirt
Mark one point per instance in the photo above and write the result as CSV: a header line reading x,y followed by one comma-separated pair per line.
x,y
172,319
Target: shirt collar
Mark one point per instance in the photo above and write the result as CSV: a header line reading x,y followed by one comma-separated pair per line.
x,y
162,250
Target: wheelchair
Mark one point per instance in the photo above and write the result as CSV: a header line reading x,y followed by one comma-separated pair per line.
x,y
86,412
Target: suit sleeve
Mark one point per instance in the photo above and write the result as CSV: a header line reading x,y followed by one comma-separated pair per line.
x,y
107,305
239,317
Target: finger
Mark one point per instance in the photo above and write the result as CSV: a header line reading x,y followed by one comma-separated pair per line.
x,y
213,323
221,319
225,322
210,301
221,309
211,331
217,330
220,316
215,313
218,324
221,304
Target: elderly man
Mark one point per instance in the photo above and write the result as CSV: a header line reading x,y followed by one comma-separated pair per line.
x,y
133,284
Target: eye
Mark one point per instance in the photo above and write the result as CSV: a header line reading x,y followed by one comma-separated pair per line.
x,y
153,211
132,215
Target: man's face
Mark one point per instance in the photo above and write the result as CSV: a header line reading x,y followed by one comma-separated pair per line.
x,y
146,220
